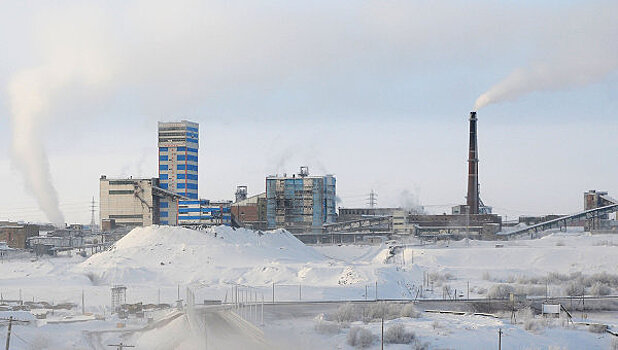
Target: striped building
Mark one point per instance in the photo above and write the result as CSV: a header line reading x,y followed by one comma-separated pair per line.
x,y
178,165
204,213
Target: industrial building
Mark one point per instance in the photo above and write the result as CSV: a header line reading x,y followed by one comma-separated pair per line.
x,y
300,203
250,212
131,202
178,165
204,213
602,224
397,225
16,235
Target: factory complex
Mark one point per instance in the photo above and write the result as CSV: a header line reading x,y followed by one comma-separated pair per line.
x,y
303,203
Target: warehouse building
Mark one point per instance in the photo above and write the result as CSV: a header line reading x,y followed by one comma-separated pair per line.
x,y
300,203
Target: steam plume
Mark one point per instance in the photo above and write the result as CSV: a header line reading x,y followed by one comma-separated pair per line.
x,y
579,49
28,101
71,58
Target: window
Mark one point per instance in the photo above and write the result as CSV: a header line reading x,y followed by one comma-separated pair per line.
x,y
163,167
163,177
163,158
115,192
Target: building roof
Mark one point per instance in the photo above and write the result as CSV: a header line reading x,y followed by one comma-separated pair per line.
x,y
251,200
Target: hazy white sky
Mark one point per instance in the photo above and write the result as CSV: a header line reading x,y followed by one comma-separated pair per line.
x,y
376,92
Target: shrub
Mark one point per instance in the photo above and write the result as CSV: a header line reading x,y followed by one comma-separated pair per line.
x,y
534,325
599,288
382,309
500,291
398,334
524,314
409,310
573,289
360,337
348,312
324,327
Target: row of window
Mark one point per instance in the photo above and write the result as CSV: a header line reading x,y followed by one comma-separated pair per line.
x,y
113,192
190,186
179,149
203,210
182,157
186,167
186,177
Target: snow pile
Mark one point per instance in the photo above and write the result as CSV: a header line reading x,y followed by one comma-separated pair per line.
x,y
173,254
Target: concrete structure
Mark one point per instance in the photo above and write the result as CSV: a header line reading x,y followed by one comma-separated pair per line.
x,y
16,235
300,203
399,223
596,199
481,226
204,213
129,202
251,212
178,165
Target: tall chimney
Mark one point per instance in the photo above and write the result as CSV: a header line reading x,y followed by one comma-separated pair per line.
x,y
473,169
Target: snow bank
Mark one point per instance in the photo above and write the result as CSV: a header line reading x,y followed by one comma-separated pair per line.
x,y
178,255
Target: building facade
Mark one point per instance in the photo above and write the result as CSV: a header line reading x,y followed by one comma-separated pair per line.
x,y
16,235
300,203
398,215
129,202
178,165
204,213
251,212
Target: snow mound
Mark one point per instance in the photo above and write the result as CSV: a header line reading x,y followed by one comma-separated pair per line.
x,y
221,254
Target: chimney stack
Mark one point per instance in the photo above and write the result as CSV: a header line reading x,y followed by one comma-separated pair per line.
x,y
473,169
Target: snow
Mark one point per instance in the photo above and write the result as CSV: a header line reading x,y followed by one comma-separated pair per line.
x,y
161,262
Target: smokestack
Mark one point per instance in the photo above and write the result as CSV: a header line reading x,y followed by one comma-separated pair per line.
x,y
473,169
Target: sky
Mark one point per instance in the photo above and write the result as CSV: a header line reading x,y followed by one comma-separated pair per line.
x,y
377,93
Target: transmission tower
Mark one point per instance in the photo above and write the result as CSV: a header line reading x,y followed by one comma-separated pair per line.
x,y
92,223
372,200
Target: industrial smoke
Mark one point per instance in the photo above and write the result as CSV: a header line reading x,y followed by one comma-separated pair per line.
x,y
28,102
580,50
72,58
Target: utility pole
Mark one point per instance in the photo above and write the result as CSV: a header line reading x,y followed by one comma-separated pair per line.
x,y
382,332
83,305
468,291
373,199
376,290
8,333
121,346
500,338
273,292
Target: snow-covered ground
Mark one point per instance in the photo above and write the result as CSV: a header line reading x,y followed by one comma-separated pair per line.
x,y
158,264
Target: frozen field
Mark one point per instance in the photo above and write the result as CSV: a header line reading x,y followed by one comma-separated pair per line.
x,y
158,264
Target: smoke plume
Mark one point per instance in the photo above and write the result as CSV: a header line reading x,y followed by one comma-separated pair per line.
x,y
70,60
579,49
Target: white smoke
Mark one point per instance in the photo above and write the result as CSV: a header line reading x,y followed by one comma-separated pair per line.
x,y
70,60
578,49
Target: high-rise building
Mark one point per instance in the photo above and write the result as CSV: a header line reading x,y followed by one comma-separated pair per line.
x,y
178,165
300,203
